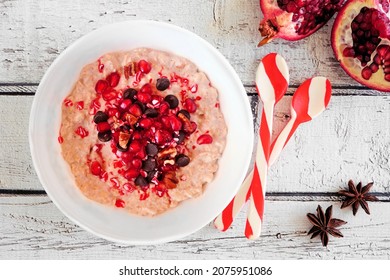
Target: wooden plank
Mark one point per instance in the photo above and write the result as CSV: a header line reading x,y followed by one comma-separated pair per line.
x,y
351,140
229,25
33,228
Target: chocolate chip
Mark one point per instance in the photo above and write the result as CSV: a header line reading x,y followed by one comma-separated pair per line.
x,y
149,164
151,175
151,149
172,101
122,149
182,160
105,136
180,136
141,181
100,117
141,105
151,113
185,113
162,84
130,93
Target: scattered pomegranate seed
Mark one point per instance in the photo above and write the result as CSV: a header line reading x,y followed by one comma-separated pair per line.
x,y
216,105
143,196
101,86
120,203
189,105
141,153
104,176
68,103
113,79
146,88
113,112
162,137
103,126
60,139
80,105
95,106
204,139
144,66
100,66
194,88
164,107
114,182
144,97
82,132
96,168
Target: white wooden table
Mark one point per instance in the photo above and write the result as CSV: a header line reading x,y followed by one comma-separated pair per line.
x,y
351,140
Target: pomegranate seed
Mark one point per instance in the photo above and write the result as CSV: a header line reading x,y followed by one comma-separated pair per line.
x,y
141,154
166,121
145,123
374,68
156,100
136,163
113,112
68,103
194,88
135,110
137,135
386,70
144,97
60,139
101,86
387,77
146,88
126,157
103,126
129,188
175,123
120,203
109,95
162,137
125,104
113,79
366,73
144,66
80,105
204,139
189,105
104,176
131,174
82,132
164,107
96,168
135,146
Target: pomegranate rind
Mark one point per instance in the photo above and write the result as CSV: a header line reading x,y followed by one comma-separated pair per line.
x,y
342,38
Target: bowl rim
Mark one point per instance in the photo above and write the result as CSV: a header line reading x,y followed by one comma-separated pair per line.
x,y
44,80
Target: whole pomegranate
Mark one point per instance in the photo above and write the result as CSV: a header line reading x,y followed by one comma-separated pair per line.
x,y
361,42
295,19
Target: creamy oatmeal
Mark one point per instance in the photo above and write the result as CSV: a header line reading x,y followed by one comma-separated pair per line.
x,y
142,130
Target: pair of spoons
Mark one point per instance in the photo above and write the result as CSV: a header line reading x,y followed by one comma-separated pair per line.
x,y
310,100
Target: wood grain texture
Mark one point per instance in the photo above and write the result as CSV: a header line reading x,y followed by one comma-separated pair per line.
x,y
33,228
35,32
348,141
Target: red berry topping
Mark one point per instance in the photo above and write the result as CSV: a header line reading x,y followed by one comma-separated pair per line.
x,y
80,105
101,86
146,88
113,79
144,97
145,123
175,123
109,94
189,105
144,66
204,139
136,163
96,168
103,126
120,203
162,137
113,112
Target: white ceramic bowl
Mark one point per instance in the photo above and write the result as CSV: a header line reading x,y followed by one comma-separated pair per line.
x,y
55,175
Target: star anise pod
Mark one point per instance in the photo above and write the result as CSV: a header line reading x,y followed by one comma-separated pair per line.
x,y
356,196
323,224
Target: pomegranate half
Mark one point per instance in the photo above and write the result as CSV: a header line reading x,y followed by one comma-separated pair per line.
x,y
295,19
361,42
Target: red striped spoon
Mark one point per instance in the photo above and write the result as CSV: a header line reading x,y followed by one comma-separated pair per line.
x,y
310,99
271,83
